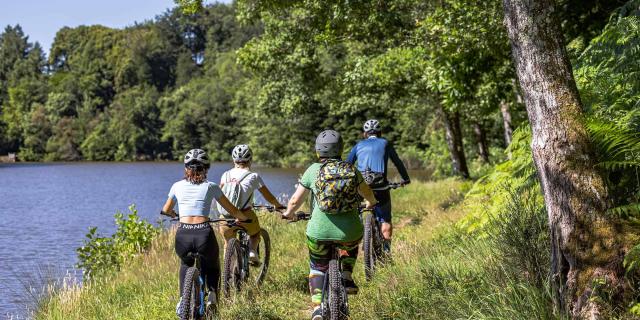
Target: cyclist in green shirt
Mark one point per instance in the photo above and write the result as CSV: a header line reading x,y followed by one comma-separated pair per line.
x,y
344,228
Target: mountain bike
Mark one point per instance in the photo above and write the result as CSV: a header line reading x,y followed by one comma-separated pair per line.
x,y
237,267
197,301
335,304
372,244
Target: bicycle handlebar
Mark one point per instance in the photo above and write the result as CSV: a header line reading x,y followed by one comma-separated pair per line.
x,y
300,215
228,221
268,208
395,185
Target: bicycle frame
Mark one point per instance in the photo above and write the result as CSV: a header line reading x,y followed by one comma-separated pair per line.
x,y
243,240
243,237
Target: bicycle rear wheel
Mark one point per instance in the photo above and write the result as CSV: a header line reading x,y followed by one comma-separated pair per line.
x,y
191,295
337,296
232,271
264,250
369,246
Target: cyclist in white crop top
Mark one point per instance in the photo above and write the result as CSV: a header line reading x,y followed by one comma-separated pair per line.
x,y
194,196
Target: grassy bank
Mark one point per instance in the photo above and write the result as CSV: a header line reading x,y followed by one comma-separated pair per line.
x,y
438,273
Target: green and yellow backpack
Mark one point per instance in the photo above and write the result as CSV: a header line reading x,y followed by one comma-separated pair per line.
x,y
337,187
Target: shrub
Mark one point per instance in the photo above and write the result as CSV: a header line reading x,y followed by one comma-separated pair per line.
x,y
100,255
520,236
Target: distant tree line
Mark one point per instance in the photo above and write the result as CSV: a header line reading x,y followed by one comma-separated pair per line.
x,y
438,75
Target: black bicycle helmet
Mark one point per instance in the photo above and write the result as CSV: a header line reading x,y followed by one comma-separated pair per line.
x,y
329,144
196,157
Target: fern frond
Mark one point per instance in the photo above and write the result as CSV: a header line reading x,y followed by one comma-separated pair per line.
x,y
618,165
614,142
625,211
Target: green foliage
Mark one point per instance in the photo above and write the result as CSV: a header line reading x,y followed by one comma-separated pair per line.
x,y
491,194
618,150
190,6
608,72
130,127
199,115
101,255
520,234
195,76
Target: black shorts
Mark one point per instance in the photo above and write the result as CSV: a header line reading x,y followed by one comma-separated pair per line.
x,y
383,208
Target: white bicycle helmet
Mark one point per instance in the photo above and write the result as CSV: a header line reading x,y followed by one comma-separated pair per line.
x,y
196,156
371,126
241,153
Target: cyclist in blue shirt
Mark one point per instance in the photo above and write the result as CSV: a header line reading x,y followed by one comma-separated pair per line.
x,y
372,154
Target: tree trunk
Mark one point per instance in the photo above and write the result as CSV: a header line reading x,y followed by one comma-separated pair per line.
x,y
453,135
585,244
506,122
481,141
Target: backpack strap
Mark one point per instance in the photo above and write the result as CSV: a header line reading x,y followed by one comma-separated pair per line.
x,y
246,174
226,177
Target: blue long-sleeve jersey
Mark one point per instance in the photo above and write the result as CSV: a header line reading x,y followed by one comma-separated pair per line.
x,y
373,153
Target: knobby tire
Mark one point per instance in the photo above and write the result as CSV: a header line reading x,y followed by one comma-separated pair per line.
x,y
231,271
266,257
369,246
190,295
337,293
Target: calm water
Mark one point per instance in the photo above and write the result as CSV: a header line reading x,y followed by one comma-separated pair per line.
x,y
46,210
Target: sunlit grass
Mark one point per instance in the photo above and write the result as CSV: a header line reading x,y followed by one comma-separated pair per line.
x,y
436,274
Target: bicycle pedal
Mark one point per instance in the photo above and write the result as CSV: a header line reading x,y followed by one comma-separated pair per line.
x,y
255,263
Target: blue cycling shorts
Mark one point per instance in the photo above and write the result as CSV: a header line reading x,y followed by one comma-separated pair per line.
x,y
383,208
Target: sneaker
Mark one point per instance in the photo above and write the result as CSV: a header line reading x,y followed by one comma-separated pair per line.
x,y
179,307
386,246
254,258
350,286
317,313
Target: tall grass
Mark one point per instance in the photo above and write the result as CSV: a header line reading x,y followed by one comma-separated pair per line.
x,y
438,272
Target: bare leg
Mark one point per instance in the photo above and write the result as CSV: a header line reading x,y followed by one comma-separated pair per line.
x,y
254,241
387,230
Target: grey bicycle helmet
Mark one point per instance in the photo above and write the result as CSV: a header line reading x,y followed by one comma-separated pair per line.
x,y
329,144
241,153
371,126
195,157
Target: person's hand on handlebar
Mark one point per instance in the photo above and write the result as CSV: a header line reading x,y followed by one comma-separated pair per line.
x,y
171,214
295,202
369,205
290,215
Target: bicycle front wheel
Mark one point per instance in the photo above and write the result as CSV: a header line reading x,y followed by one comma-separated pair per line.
x,y
338,308
191,295
369,245
232,271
